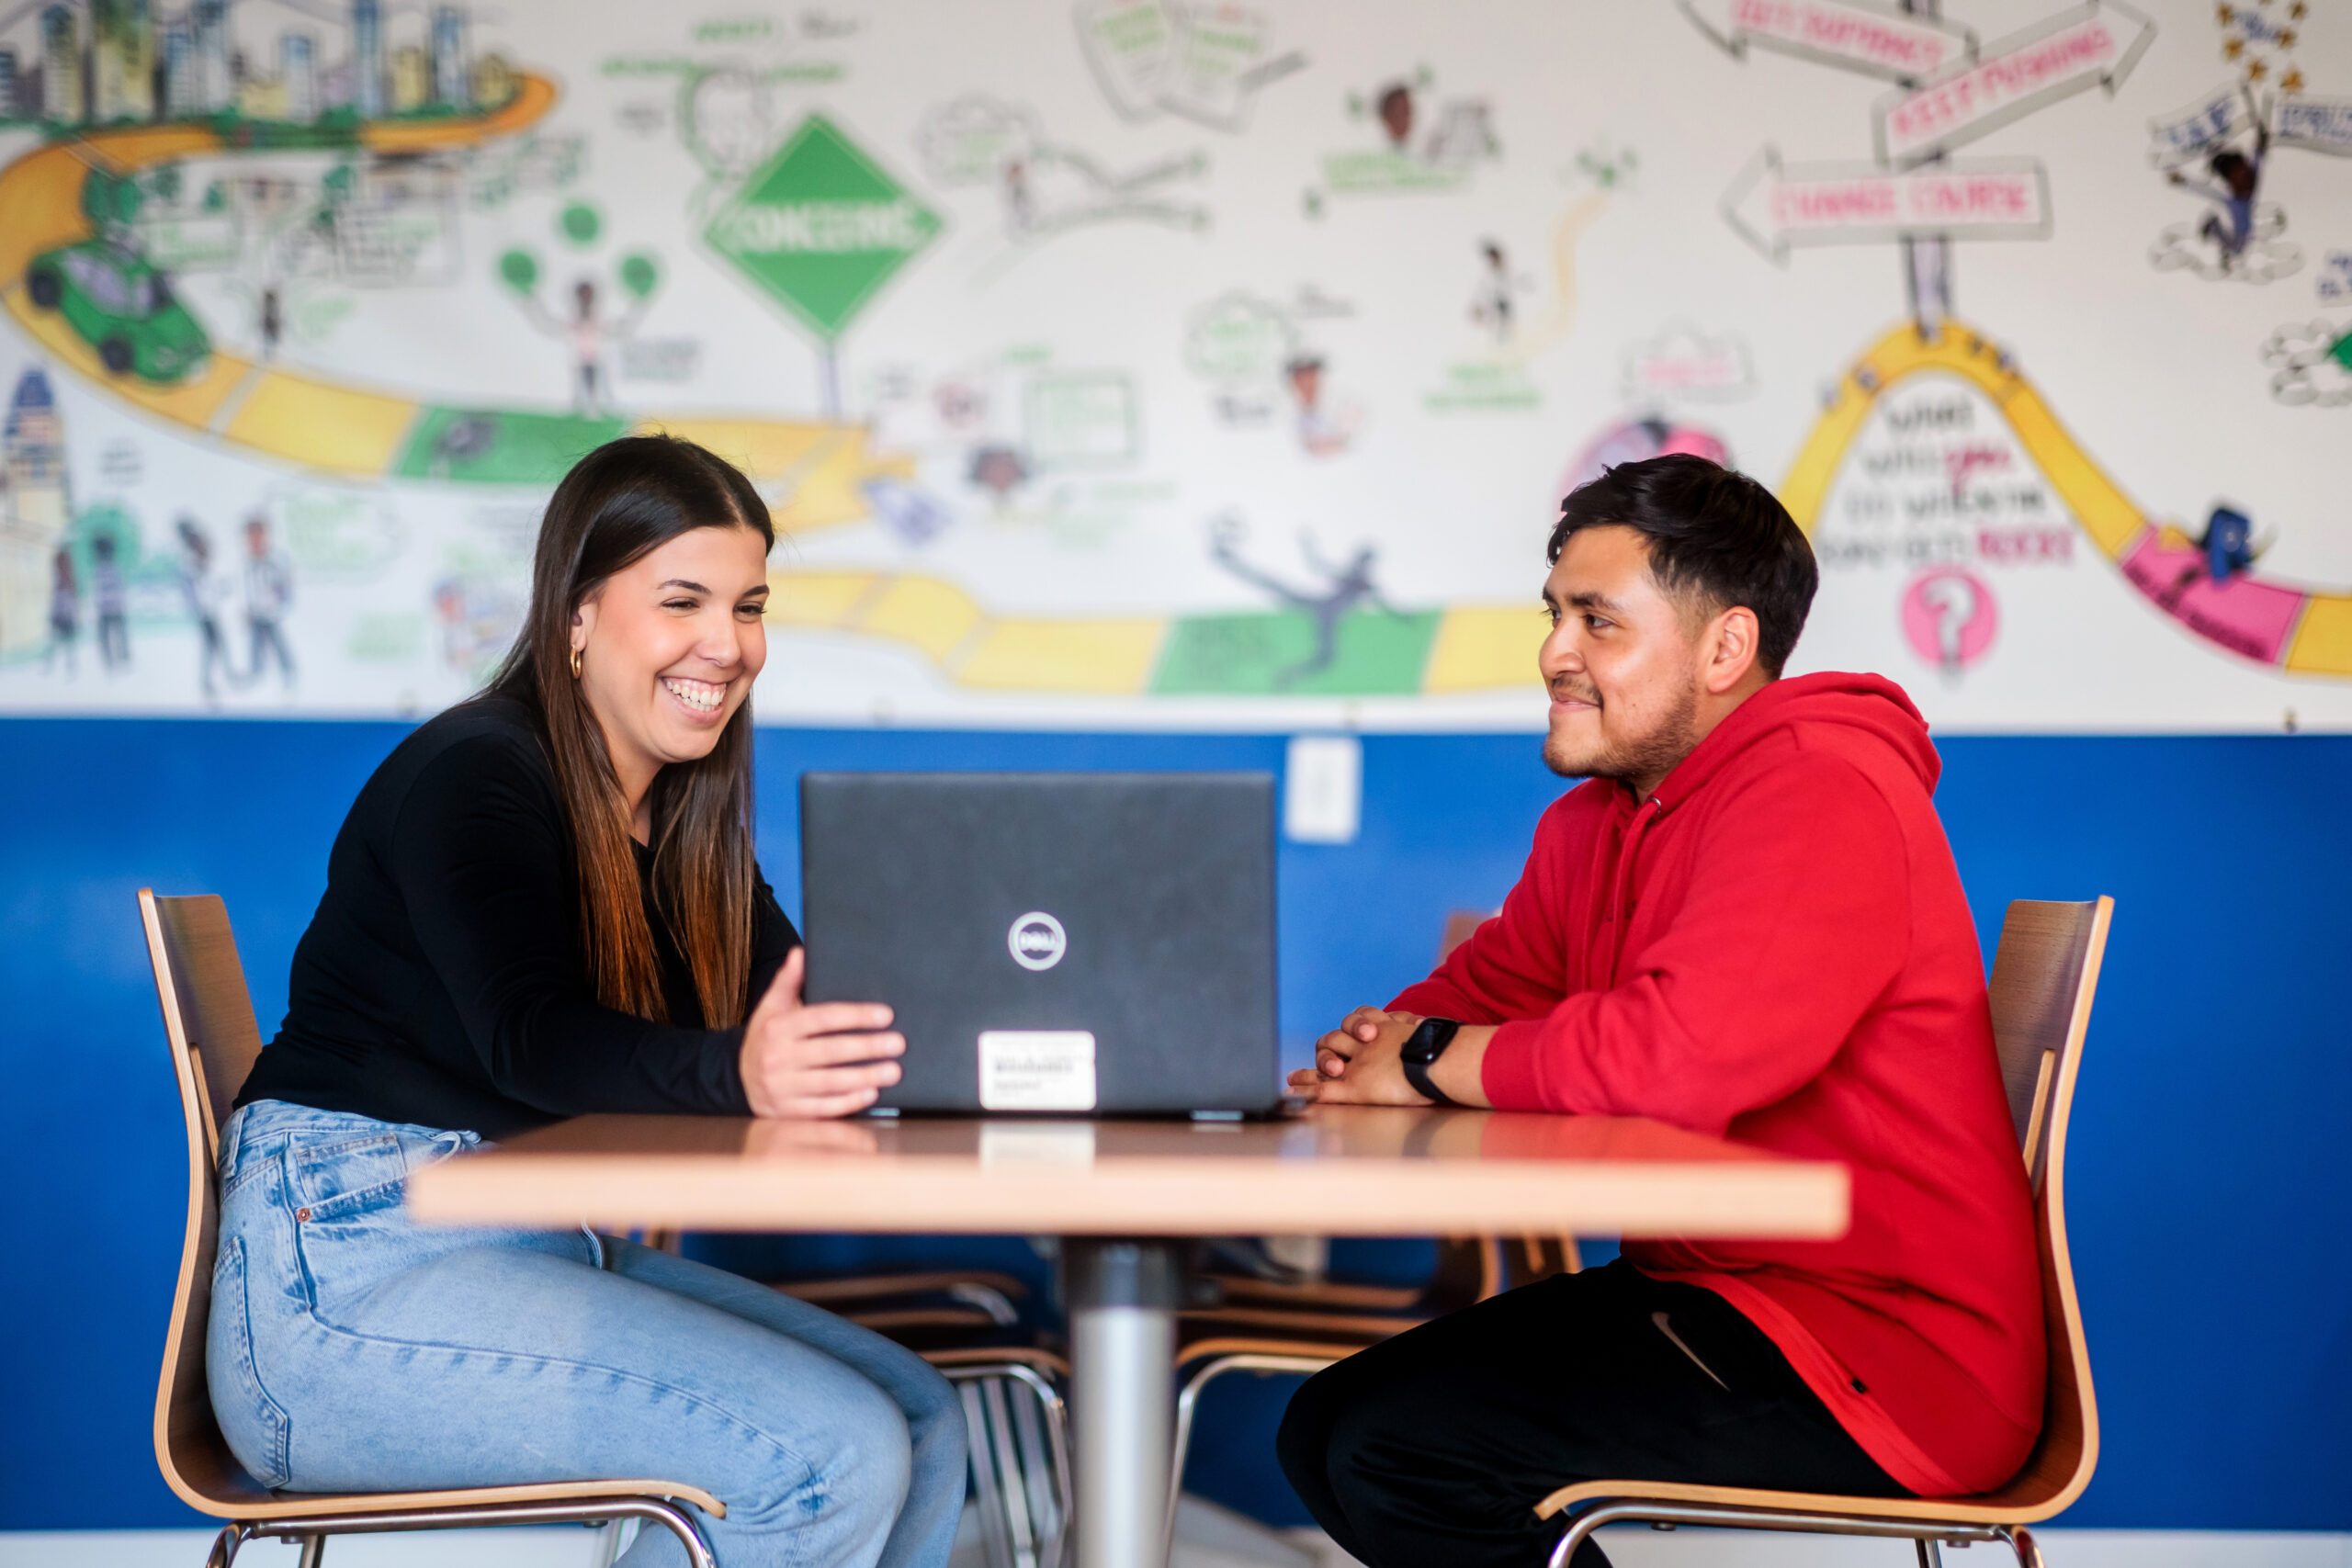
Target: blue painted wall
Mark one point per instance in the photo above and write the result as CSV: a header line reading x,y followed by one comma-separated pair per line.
x,y
2212,1105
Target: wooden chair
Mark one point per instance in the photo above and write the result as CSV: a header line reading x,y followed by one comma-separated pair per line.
x,y
209,1022
1301,1335
2043,977
1269,1326
1018,1433
1468,1269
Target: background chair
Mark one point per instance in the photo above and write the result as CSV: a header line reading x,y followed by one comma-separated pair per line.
x,y
1268,1326
209,1019
2044,975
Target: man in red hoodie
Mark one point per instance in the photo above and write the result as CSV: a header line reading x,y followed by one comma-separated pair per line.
x,y
1744,921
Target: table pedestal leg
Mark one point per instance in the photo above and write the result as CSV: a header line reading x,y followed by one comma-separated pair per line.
x,y
1123,1297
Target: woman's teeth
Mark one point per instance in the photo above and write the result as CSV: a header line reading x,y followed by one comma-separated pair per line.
x,y
703,696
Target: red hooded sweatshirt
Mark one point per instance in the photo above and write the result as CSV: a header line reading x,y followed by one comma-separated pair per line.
x,y
1774,948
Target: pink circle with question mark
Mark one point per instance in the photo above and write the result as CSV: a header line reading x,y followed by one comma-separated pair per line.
x,y
1948,617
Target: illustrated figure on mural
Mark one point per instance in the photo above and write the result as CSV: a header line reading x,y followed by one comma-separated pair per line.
x,y
285,256
1463,134
2228,543
269,593
1257,355
2235,184
1494,306
999,469
587,327
1394,109
591,382
2225,550
272,322
64,613
205,590
1322,433
1415,156
1524,317
1349,589
110,597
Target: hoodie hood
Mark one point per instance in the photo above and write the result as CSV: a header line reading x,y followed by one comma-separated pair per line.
x,y
1870,705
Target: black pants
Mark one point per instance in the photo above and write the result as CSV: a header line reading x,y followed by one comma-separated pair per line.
x,y
1431,1451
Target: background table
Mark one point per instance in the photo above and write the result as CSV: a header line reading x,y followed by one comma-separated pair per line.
x,y
1121,1195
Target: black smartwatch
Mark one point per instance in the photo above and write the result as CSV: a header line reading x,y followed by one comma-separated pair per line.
x,y
1421,1052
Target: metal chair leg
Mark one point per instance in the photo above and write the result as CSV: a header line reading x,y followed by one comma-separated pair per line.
x,y
1028,1540
1038,1473
2029,1550
1188,1399
614,1538
1003,1476
1056,1415
1579,1527
314,1551
1931,1555
312,1529
1641,1511
675,1519
996,1528
224,1546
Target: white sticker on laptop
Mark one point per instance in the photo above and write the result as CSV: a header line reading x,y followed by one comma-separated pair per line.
x,y
1037,1069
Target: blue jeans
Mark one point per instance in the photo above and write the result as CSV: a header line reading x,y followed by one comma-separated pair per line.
x,y
351,1349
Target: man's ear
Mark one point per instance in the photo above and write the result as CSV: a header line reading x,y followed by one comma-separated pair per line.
x,y
1732,650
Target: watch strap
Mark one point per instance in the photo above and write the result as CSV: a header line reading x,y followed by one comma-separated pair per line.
x,y
1427,1043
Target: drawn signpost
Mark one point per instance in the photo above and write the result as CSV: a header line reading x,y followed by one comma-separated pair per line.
x,y
1950,91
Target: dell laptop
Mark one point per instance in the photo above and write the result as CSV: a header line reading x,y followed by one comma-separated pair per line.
x,y
1072,943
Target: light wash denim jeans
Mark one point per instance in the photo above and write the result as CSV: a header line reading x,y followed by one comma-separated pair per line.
x,y
354,1350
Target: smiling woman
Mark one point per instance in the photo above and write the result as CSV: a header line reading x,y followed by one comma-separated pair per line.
x,y
643,638
544,903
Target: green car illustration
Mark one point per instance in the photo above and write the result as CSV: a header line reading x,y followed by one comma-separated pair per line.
x,y
123,308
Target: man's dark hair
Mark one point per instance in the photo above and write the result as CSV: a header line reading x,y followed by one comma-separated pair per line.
x,y
1714,535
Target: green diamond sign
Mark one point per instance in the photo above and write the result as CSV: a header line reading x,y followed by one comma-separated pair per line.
x,y
820,227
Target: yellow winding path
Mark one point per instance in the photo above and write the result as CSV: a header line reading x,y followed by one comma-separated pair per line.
x,y
353,431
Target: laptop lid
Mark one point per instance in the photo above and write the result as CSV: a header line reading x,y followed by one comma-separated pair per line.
x,y
1072,942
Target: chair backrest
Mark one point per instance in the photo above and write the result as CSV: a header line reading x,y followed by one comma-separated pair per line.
x,y
1459,924
1469,1270
1523,1259
1530,1258
2044,975
208,1022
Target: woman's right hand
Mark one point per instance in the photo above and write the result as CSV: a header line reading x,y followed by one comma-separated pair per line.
x,y
820,1060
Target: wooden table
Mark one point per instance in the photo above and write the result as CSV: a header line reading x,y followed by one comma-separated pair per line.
x,y
1122,1195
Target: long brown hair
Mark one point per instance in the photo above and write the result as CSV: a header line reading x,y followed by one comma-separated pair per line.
x,y
623,500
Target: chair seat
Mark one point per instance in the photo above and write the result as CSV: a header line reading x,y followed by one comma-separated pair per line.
x,y
1282,1324
2023,1502
1241,1290
1047,1363
240,1498
827,1291
1192,1354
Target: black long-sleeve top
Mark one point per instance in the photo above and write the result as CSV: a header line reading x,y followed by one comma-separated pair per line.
x,y
442,980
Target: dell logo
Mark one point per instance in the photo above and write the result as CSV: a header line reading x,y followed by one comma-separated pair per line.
x,y
1037,941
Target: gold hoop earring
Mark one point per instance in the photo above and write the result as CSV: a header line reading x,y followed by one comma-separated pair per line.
x,y
575,664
